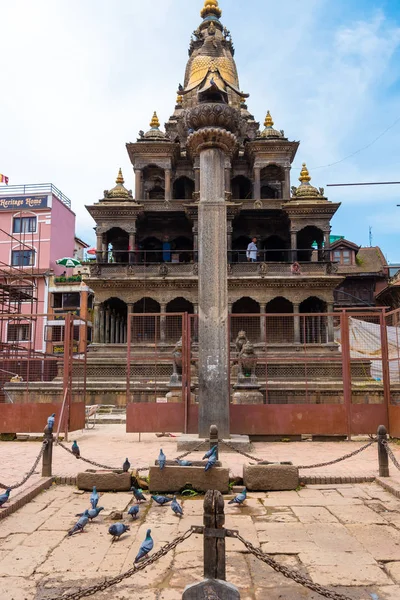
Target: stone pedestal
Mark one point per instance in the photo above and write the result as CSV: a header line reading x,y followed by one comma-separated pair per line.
x,y
247,395
190,442
211,589
175,396
171,479
270,478
105,481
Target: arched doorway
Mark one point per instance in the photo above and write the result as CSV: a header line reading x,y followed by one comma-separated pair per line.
x,y
151,250
183,188
117,245
242,188
146,327
310,240
113,324
271,182
274,249
182,247
249,324
239,247
173,326
279,329
313,328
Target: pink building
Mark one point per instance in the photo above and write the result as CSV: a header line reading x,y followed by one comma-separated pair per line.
x,y
37,227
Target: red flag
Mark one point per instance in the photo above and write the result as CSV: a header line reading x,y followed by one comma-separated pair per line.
x,y
3,179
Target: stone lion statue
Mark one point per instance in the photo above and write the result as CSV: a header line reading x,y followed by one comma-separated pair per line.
x,y
240,341
247,362
177,362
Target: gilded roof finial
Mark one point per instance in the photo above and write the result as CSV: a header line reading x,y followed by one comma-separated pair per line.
x,y
120,178
304,175
211,8
268,120
154,123
179,99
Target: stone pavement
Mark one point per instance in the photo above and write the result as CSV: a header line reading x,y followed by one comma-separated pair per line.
x,y
346,537
110,445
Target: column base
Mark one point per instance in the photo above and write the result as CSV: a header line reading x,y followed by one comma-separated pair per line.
x,y
247,397
188,442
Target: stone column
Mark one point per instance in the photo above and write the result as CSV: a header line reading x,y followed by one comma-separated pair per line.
x,y
229,229
257,183
330,327
163,321
99,247
108,322
96,323
138,185
195,230
168,195
296,323
117,328
129,322
132,245
102,337
327,245
286,184
293,245
197,175
263,323
104,248
112,328
121,330
227,175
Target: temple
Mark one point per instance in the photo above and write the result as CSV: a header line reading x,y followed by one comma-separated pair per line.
x,y
147,241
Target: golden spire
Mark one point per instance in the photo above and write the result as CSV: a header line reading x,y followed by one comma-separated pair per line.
x,y
179,99
120,178
304,175
154,123
268,120
211,8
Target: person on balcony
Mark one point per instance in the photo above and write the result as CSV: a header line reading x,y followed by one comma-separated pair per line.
x,y
252,251
166,249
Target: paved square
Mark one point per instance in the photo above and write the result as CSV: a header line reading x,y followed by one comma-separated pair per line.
x,y
343,537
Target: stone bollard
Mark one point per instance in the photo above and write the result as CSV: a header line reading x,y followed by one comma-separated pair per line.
x,y
383,457
48,453
214,587
214,438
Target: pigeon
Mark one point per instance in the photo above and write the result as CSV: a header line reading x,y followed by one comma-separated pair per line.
x,y
212,451
126,466
145,547
181,88
51,421
133,511
211,462
4,497
94,498
117,529
239,499
80,525
183,463
176,507
138,495
161,460
75,450
92,513
161,500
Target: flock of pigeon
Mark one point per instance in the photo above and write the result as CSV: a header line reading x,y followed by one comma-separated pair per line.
x,y
116,530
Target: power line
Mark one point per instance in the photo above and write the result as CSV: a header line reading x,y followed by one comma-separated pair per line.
x,y
369,183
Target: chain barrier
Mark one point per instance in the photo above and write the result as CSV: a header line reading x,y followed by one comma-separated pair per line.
x,y
106,584
337,460
233,447
90,462
291,573
185,454
390,454
30,472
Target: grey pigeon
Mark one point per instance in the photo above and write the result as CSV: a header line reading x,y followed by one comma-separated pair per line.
x,y
75,450
80,525
50,421
94,498
239,499
145,547
92,513
212,451
211,462
161,460
126,466
4,497
138,494
118,529
181,88
161,500
176,507
183,463
134,511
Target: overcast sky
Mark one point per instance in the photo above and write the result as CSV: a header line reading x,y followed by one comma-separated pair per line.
x,y
79,78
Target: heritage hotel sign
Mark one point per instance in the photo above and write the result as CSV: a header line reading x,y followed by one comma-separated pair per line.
x,y
21,202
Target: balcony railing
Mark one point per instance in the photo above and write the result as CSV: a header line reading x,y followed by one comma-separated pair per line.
x,y
34,189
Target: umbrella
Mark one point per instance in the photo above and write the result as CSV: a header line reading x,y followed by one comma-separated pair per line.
x,y
92,251
69,262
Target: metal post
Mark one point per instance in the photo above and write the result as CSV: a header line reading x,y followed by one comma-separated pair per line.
x,y
383,457
214,547
346,369
68,349
214,438
48,453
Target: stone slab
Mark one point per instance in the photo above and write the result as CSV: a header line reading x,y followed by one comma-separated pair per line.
x,y
104,481
260,478
188,442
211,589
173,479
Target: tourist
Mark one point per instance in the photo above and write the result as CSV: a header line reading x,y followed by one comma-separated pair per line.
x,y
166,249
252,251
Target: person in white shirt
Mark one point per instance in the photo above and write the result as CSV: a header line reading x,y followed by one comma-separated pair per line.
x,y
252,251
